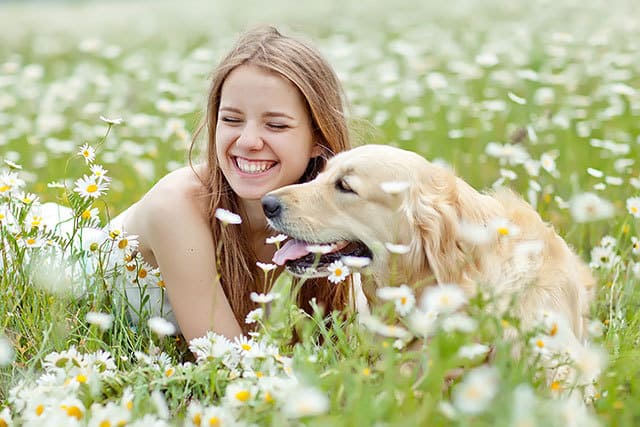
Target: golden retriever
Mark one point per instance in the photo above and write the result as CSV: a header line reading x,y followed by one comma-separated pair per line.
x,y
452,233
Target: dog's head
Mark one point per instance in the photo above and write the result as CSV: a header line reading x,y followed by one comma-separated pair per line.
x,y
367,198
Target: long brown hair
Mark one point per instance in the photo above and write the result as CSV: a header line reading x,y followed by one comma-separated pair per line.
x,y
305,67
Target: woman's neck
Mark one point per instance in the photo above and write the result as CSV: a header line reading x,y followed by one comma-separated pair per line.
x,y
255,221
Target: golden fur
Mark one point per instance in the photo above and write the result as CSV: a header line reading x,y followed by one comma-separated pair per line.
x,y
449,227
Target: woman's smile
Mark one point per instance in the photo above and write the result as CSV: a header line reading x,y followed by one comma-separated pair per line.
x,y
253,167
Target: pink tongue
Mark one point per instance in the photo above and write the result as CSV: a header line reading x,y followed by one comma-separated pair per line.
x,y
292,249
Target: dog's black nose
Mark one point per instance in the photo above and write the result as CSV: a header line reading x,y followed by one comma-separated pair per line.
x,y
271,206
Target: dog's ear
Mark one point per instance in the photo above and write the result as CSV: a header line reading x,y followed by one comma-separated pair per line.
x,y
436,211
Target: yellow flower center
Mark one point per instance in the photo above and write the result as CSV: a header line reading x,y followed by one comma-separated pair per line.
x,y
268,398
540,343
27,200
5,188
31,241
92,188
105,423
73,411
338,272
554,330
169,372
160,283
81,379
366,372
243,395
196,419
123,243
3,423
214,422
556,386
142,273
39,409
403,300
503,231
86,153
634,209
86,214
129,405
246,347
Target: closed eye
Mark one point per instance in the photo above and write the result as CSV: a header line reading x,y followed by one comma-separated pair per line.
x,y
343,186
277,126
230,120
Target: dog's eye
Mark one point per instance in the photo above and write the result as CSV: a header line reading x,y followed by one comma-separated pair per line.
x,y
343,186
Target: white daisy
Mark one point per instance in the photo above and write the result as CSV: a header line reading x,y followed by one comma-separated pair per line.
x,y
476,391
116,121
89,188
588,207
394,187
27,198
99,172
276,239
475,234
101,320
395,248
633,206
515,98
88,153
239,393
266,267
596,173
320,249
12,165
305,402
402,296
254,316
635,245
161,327
356,261
604,257
227,217
213,416
472,351
32,242
263,298
6,352
338,272
5,417
422,323
459,322
502,227
89,214
443,298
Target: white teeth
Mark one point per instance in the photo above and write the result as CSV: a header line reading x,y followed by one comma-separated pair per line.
x,y
247,166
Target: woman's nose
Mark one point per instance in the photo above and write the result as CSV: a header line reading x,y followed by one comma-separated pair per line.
x,y
250,138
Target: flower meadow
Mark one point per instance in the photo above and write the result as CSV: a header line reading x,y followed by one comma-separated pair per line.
x,y
98,100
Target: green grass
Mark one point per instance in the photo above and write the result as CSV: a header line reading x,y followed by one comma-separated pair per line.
x,y
420,76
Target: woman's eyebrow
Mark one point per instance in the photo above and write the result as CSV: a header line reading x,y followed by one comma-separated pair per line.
x,y
267,114
278,114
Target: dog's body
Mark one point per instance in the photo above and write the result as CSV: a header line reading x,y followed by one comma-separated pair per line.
x,y
454,234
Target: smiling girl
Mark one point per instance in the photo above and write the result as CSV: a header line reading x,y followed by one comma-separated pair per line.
x,y
274,115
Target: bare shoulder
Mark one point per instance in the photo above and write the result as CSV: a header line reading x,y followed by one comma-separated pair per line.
x,y
178,198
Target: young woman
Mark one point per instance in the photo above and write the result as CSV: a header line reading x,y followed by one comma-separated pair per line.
x,y
274,114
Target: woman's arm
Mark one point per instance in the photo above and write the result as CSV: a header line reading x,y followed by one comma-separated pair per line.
x,y
179,236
